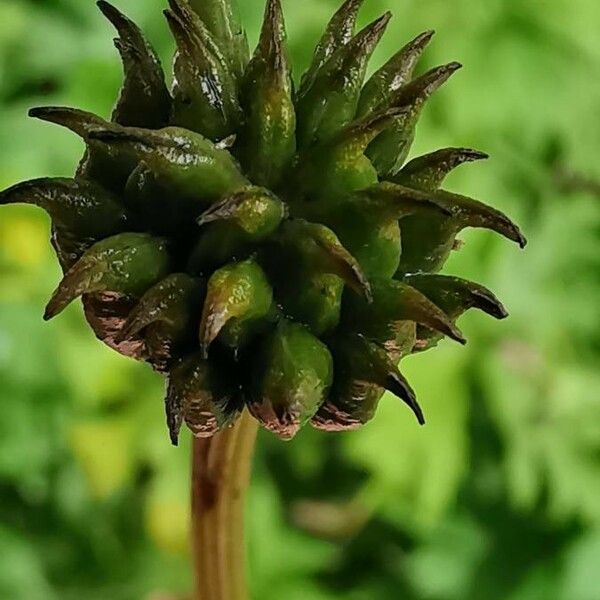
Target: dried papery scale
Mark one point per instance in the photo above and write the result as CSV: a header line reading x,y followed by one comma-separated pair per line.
x,y
261,245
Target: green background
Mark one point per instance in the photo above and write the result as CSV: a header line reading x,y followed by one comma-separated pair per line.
x,y
498,497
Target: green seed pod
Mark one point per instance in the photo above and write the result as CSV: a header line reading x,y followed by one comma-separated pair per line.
x,y
339,167
144,100
169,315
127,264
338,33
238,298
293,372
363,372
82,212
316,248
310,267
454,296
389,151
204,89
383,86
394,302
428,172
235,225
182,10
186,163
428,240
314,299
329,104
147,200
105,165
376,244
202,395
434,235
268,139
222,19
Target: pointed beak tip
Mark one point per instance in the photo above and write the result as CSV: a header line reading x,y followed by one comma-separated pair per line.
x,y
205,219
35,112
502,313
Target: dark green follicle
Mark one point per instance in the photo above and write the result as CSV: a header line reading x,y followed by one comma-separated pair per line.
x,y
393,303
395,201
144,100
329,104
102,163
428,240
416,93
397,72
197,28
312,298
146,199
472,213
78,121
376,244
319,250
429,171
238,299
291,378
201,396
204,90
363,372
168,314
267,142
222,19
82,212
454,296
127,264
338,167
186,163
389,151
338,33
156,208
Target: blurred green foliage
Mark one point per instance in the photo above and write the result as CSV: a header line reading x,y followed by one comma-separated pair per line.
x,y
498,497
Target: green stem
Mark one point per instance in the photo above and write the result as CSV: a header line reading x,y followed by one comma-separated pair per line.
x,y
221,469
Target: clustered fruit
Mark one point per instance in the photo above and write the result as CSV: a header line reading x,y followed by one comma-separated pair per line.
x,y
264,245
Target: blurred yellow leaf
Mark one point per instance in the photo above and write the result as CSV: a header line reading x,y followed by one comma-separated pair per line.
x,y
103,449
167,514
167,522
23,240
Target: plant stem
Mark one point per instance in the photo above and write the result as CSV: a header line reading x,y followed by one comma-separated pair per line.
x,y
221,468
